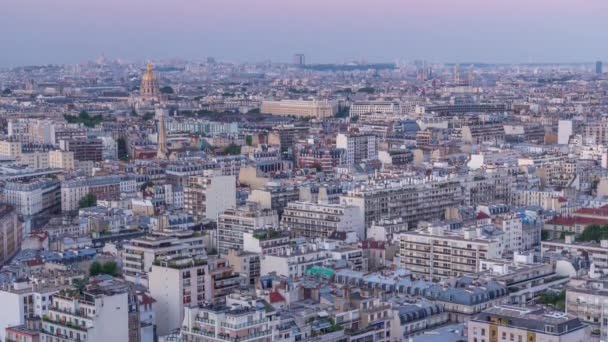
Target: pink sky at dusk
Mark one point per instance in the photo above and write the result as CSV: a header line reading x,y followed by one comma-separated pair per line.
x,y
58,31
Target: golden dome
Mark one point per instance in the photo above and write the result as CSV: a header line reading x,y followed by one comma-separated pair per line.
x,y
149,85
149,75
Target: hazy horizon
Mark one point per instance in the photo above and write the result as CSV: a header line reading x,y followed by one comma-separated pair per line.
x,y
38,32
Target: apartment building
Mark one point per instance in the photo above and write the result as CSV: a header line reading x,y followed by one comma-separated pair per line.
x,y
481,188
295,263
306,219
35,159
286,136
577,222
479,133
139,254
94,315
178,174
221,280
61,160
524,278
596,131
28,332
234,222
104,188
525,324
205,197
32,130
436,253
33,197
512,227
180,282
587,299
10,148
411,318
535,197
300,108
357,147
11,233
247,264
240,319
275,196
267,242
385,109
595,253
315,157
175,284
23,300
413,200
84,149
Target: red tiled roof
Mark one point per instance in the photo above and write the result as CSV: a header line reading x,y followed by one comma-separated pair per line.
x,y
602,211
571,221
482,216
35,262
276,297
372,244
144,299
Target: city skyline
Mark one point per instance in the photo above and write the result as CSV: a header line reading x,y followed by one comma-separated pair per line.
x,y
383,31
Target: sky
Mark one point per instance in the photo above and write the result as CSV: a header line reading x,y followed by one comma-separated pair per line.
x,y
326,31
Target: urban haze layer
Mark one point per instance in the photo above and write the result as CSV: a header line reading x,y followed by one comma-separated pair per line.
x,y
212,201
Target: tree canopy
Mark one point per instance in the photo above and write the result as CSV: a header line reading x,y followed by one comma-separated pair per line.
x,y
84,118
123,153
368,90
148,116
558,300
89,200
343,112
232,149
166,90
109,267
595,233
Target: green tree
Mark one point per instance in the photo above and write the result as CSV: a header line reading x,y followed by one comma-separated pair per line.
x,y
80,284
84,118
6,91
95,268
594,232
89,200
343,112
557,300
146,185
232,149
148,116
368,90
166,90
544,235
133,112
249,140
110,268
123,154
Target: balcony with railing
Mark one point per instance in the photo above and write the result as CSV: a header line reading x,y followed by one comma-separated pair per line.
x,y
243,325
65,324
205,321
249,337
